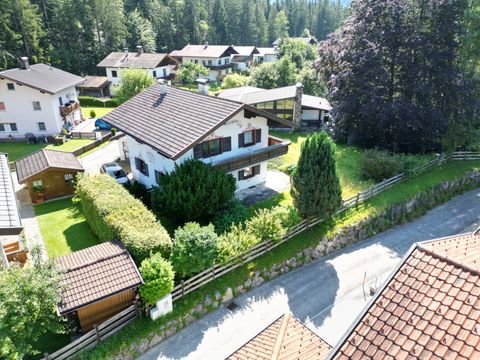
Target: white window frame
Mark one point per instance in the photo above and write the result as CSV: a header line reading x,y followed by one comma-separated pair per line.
x,y
39,108
11,130
44,125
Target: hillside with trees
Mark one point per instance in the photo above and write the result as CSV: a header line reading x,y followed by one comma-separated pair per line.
x,y
76,34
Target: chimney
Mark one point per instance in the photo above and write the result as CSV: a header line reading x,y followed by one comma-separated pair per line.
x,y
206,45
139,50
163,86
297,107
24,64
203,87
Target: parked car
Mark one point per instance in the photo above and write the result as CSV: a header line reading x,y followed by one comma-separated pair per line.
x,y
114,170
100,124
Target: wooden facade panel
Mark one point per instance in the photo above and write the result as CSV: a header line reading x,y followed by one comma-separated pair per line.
x,y
53,182
98,312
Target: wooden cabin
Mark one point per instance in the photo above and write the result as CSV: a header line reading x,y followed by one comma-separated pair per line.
x,y
98,282
48,173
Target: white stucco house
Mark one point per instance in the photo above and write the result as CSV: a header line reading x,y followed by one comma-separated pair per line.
x,y
165,126
37,99
216,58
265,54
159,66
245,57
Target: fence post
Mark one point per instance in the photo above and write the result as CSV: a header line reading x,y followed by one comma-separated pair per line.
x,y
46,356
358,199
97,333
137,308
213,272
183,288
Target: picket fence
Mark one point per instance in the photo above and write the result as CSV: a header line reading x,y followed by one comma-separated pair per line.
x,y
203,278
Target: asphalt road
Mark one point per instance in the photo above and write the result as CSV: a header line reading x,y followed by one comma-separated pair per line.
x,y
326,295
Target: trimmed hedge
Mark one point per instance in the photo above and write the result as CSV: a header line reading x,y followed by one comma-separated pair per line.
x,y
158,275
115,214
89,101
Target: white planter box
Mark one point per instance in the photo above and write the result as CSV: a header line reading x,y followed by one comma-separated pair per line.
x,y
164,306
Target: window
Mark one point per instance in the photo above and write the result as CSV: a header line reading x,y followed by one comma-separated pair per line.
x,y
2,127
211,148
41,126
249,138
249,172
36,105
10,86
37,183
114,73
2,106
68,178
154,74
209,62
158,175
13,127
164,72
196,61
227,61
219,61
141,166
204,62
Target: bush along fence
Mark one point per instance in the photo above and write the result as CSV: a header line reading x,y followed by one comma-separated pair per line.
x,y
197,281
376,223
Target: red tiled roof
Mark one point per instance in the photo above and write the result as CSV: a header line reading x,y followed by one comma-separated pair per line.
x,y
95,273
285,339
429,309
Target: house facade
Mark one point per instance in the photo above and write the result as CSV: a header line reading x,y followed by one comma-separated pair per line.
x,y
37,99
166,126
159,66
245,57
265,55
216,58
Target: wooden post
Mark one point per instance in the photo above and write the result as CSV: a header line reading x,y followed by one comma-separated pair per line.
x,y
183,288
213,272
358,199
97,333
137,308
46,356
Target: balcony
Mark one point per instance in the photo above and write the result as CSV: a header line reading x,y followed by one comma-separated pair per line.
x,y
13,250
276,147
219,67
68,109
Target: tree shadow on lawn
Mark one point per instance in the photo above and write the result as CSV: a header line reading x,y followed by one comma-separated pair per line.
x,y
79,236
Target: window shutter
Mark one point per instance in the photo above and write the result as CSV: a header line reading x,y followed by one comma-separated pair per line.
x,y
258,135
256,170
226,144
240,175
241,141
197,151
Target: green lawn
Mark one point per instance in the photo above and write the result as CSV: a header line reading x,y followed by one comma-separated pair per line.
x,y
99,111
63,227
70,145
17,150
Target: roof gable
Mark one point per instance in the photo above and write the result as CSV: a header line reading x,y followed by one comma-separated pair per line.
x,y
136,60
42,77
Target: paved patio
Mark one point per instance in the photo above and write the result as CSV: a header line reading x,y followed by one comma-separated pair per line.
x,y
277,182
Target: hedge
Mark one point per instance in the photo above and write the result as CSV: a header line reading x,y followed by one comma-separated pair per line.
x,y
89,101
115,214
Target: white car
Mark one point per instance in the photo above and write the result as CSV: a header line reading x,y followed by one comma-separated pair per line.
x,y
115,171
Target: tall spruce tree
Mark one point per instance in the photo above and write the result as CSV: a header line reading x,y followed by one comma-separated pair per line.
x,y
315,185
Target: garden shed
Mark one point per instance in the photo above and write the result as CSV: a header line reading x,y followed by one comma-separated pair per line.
x,y
48,173
98,282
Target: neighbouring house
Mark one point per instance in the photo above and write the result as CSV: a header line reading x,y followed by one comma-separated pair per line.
x,y
166,126
37,99
287,102
216,58
11,245
429,308
285,339
265,54
97,283
96,86
158,65
307,40
245,57
48,173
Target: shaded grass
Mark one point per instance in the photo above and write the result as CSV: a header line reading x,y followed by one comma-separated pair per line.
x,y
63,227
99,111
49,343
144,328
18,149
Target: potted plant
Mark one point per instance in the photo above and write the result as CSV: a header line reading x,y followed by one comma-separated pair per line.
x,y
39,195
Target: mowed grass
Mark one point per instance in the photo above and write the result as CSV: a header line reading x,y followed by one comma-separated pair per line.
x,y
347,157
17,149
63,227
99,111
70,145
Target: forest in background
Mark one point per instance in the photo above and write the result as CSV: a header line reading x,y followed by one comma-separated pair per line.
x,y
75,35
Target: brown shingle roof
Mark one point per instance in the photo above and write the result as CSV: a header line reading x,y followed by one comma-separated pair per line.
x,y
10,223
207,51
246,50
429,309
285,339
135,60
42,160
43,77
172,123
94,82
95,273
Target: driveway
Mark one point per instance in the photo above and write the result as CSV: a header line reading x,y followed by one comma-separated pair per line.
x,y
326,295
108,153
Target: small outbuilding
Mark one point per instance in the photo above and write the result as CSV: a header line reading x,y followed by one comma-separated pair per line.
x,y
96,86
48,173
98,282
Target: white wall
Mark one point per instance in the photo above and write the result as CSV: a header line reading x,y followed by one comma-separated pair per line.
x,y
232,128
213,74
19,110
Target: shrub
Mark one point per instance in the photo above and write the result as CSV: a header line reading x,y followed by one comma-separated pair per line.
x,y
133,82
288,215
235,242
234,80
115,214
158,274
93,114
194,191
194,249
265,225
235,213
88,101
378,165
140,192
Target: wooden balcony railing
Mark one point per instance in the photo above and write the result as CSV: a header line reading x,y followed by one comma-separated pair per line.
x,y
14,250
277,147
68,109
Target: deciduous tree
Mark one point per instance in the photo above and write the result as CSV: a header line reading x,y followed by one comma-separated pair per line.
x,y
133,82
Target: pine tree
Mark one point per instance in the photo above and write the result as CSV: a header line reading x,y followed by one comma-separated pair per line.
x,y
315,185
140,32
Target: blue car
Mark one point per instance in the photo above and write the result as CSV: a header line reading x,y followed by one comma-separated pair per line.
x,y
102,125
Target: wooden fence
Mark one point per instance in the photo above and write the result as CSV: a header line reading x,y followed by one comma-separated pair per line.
x,y
83,135
96,335
92,145
203,278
